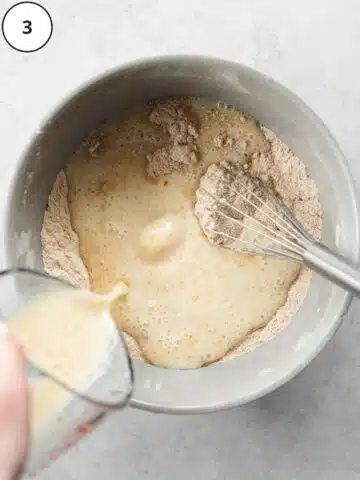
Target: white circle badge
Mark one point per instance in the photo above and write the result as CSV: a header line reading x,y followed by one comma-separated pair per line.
x,y
27,26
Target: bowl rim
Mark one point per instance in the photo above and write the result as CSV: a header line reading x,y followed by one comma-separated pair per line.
x,y
156,61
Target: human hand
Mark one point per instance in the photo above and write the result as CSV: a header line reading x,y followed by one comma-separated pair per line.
x,y
13,409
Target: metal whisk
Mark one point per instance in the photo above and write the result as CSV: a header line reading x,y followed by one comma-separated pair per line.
x,y
241,214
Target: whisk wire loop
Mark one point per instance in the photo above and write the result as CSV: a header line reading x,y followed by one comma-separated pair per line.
x,y
274,222
291,226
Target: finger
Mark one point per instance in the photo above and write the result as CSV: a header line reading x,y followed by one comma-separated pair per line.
x,y
13,408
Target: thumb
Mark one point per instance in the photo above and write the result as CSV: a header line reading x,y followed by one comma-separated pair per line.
x,y
13,408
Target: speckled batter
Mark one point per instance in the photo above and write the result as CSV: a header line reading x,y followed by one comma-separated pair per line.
x,y
190,303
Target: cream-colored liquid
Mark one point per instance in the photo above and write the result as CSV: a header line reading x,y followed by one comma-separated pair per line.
x,y
70,335
189,302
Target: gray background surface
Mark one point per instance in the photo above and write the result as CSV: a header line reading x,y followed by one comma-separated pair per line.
x,y
309,428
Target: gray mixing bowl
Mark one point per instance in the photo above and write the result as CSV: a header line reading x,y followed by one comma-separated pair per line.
x,y
261,371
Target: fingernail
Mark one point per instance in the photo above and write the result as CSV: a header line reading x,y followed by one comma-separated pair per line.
x,y
3,329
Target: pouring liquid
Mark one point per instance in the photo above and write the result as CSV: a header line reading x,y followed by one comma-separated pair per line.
x,y
70,335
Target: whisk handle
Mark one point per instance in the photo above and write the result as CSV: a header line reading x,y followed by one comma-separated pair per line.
x,y
334,267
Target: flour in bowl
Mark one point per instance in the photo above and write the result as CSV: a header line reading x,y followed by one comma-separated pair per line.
x,y
131,203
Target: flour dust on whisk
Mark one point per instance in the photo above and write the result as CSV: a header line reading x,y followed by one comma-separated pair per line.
x,y
237,211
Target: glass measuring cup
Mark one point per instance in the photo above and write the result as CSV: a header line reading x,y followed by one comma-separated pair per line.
x,y
63,408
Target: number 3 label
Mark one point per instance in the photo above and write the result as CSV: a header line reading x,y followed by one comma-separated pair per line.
x,y
27,26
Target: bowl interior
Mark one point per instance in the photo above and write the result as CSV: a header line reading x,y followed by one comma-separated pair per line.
x,y
254,374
